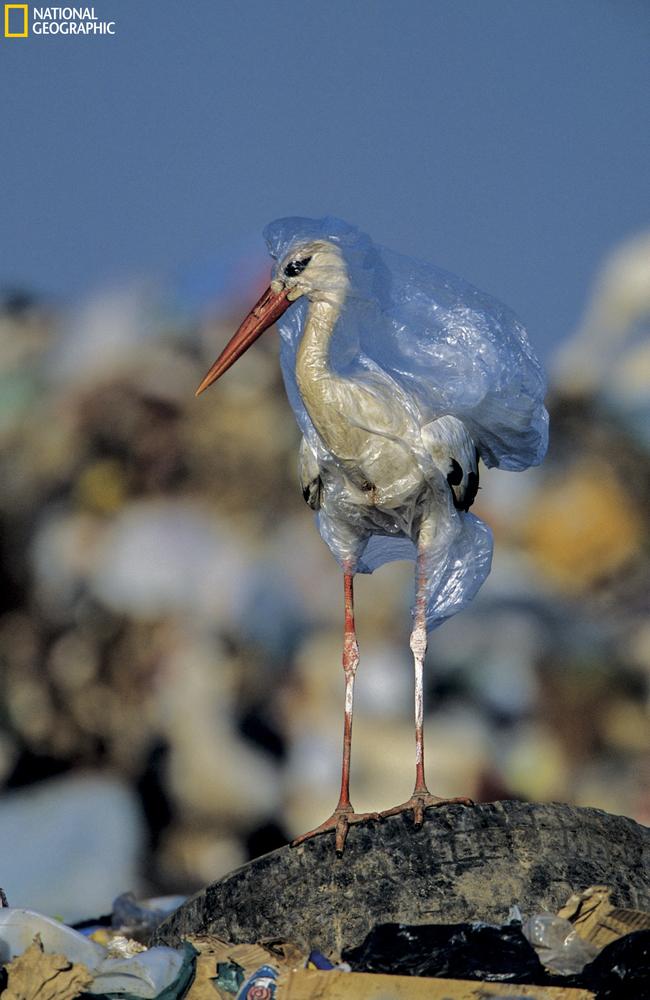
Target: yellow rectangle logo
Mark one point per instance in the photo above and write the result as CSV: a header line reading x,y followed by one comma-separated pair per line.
x,y
15,7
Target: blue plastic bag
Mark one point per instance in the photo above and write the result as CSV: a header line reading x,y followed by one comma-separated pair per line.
x,y
421,344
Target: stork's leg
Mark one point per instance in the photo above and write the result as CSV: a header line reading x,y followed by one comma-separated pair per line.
x,y
344,815
422,797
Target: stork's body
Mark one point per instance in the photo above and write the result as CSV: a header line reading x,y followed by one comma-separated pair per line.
x,y
375,483
380,465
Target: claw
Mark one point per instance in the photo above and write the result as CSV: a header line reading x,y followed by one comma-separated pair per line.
x,y
420,802
342,827
339,823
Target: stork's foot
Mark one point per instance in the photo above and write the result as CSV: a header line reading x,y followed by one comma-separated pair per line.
x,y
420,801
340,822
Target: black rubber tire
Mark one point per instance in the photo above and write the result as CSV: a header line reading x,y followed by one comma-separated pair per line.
x,y
464,864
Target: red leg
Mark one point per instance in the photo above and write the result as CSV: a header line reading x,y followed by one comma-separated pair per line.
x,y
344,815
422,797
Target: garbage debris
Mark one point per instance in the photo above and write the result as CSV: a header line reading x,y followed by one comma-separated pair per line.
x,y
229,977
458,951
19,927
260,986
150,974
314,984
618,937
237,971
622,970
558,944
597,920
316,960
155,974
591,945
132,919
46,977
118,945
572,955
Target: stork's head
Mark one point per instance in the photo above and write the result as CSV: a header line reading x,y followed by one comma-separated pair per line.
x,y
315,269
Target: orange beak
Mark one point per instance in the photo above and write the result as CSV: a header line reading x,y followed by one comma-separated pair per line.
x,y
265,312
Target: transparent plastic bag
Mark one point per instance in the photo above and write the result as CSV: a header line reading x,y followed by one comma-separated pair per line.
x,y
392,367
558,944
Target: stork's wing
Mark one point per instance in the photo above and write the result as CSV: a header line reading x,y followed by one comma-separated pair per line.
x,y
458,351
309,473
454,451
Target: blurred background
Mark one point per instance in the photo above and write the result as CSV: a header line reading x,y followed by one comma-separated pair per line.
x,y
170,621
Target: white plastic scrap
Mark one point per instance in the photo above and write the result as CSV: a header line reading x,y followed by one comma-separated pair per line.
x,y
558,945
18,928
124,947
145,975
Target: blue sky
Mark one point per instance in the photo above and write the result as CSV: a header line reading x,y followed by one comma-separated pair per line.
x,y
506,140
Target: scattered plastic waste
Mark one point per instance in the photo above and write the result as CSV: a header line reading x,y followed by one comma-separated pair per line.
x,y
154,973
547,955
18,928
558,944
123,947
621,971
37,976
260,986
229,977
317,960
455,951
150,974
243,971
503,954
118,945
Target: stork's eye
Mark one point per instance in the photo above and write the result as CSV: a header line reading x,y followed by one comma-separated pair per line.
x,y
294,267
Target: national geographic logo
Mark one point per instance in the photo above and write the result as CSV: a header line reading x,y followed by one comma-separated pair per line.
x,y
48,21
16,20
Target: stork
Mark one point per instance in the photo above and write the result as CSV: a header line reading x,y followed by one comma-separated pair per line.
x,y
401,377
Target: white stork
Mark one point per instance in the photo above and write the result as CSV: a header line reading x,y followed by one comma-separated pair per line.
x,y
401,377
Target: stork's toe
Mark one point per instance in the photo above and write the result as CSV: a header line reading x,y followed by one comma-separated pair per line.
x,y
420,801
340,822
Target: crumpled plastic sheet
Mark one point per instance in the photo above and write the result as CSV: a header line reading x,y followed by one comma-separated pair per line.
x,y
425,345
621,971
481,951
558,944
450,951
159,973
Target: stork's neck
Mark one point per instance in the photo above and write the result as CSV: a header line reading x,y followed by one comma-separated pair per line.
x,y
332,401
312,361
319,387
362,426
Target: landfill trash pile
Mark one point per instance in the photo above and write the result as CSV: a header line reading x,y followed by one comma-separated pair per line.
x,y
590,949
43,957
169,619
